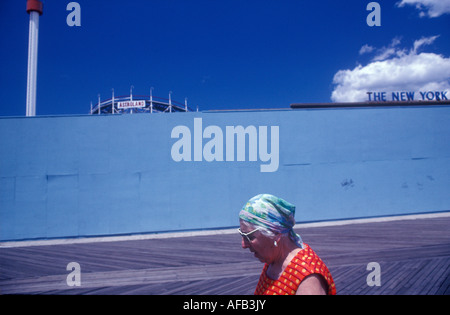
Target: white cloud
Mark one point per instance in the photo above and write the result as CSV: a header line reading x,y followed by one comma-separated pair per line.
x,y
386,52
394,69
424,41
366,49
430,8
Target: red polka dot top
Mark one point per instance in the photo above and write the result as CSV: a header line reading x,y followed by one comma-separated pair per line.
x,y
305,263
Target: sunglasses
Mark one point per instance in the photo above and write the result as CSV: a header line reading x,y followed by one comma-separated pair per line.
x,y
248,235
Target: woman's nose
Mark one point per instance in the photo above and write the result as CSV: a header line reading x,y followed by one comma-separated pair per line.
x,y
244,244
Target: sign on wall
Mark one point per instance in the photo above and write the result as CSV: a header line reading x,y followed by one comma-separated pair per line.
x,y
131,104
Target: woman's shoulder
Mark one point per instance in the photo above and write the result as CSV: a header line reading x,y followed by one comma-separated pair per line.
x,y
305,258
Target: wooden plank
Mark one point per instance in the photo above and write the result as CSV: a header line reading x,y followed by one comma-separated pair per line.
x,y
414,256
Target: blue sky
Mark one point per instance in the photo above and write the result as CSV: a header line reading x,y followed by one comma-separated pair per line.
x,y
233,54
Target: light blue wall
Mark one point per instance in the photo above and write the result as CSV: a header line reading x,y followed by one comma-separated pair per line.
x,y
105,175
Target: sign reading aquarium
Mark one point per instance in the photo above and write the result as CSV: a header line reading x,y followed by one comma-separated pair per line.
x,y
214,144
407,96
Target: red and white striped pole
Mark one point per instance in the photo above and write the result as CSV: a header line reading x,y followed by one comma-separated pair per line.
x,y
35,9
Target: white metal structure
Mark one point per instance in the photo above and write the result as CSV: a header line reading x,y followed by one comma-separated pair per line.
x,y
130,104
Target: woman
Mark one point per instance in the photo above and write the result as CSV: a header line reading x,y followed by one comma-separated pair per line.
x,y
291,266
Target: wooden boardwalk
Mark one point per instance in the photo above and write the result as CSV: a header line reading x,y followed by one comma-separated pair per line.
x,y
414,256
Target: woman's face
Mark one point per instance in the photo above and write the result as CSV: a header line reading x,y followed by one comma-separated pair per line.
x,y
259,244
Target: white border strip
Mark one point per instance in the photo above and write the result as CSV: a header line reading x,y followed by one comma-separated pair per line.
x,y
138,237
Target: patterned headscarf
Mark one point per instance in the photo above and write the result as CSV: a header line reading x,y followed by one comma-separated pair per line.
x,y
273,214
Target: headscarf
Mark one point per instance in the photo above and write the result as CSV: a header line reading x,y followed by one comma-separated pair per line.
x,y
273,214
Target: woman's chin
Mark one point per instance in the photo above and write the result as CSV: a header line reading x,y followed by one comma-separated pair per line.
x,y
259,258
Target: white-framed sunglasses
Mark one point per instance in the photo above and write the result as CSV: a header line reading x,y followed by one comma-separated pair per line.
x,y
248,235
